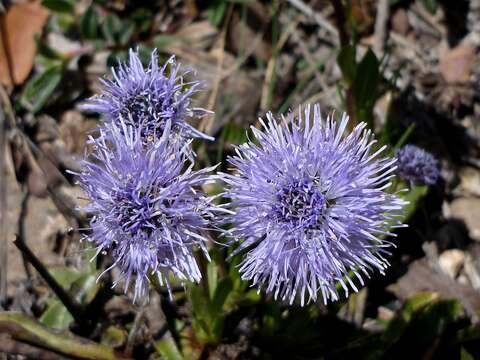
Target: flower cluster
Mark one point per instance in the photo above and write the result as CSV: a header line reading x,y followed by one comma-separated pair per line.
x,y
308,203
147,209
147,98
311,206
417,165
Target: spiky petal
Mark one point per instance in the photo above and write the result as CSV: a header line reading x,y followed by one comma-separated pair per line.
x,y
311,205
148,98
147,209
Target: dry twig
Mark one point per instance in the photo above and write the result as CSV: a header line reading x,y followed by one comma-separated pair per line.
x,y
207,121
271,64
133,334
319,19
3,213
75,310
381,23
12,347
343,31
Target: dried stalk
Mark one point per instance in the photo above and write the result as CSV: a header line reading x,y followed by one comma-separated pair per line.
x,y
345,40
3,214
75,310
24,328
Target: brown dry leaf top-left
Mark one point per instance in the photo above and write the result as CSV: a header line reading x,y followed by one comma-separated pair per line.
x,y
17,44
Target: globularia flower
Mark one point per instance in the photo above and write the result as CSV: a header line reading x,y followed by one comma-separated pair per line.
x,y
417,165
146,212
147,98
311,206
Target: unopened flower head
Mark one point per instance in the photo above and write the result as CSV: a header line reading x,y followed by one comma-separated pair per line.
x,y
146,212
417,165
147,98
311,206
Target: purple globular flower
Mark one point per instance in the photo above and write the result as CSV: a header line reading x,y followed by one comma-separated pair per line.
x,y
310,206
147,98
146,208
417,165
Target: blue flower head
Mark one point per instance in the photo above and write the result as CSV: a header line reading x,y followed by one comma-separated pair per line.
x,y
310,205
417,165
148,98
147,209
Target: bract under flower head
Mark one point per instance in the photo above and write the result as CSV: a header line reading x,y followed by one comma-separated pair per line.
x,y
148,98
147,212
417,165
311,206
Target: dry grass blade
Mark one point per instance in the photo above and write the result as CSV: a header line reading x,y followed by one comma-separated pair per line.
x,y
207,122
24,328
3,210
381,23
319,19
12,347
269,73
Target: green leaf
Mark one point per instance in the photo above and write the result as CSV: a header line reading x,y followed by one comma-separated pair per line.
x,y
56,316
111,26
399,324
168,348
212,275
89,24
403,139
222,292
430,5
64,275
243,2
208,314
217,308
416,303
81,286
201,314
469,334
89,258
160,41
232,133
115,57
368,71
366,84
45,50
66,22
63,6
432,321
126,32
347,63
116,31
271,319
465,355
423,319
39,89
85,288
143,19
217,11
114,337
145,53
413,197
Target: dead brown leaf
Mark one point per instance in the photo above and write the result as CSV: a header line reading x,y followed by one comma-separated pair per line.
x,y
17,45
400,22
457,64
421,276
